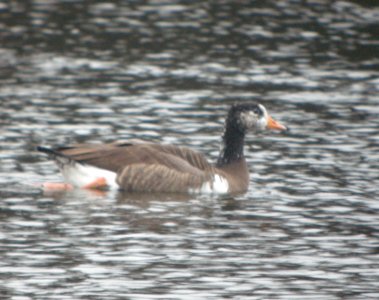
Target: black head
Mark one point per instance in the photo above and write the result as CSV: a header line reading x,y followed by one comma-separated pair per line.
x,y
251,116
243,117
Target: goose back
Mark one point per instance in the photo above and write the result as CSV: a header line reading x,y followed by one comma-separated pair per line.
x,y
119,155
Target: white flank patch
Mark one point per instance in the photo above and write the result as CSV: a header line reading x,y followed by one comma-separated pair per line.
x,y
219,185
81,175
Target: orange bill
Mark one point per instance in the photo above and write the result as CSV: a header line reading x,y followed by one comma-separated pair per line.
x,y
272,124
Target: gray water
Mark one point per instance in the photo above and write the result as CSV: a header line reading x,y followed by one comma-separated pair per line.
x,y
166,71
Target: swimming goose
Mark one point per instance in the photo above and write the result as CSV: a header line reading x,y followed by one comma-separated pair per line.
x,y
149,167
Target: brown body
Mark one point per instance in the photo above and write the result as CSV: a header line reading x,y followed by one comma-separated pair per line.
x,y
155,168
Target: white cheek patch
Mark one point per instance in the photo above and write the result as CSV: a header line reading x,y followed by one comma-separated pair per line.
x,y
263,121
248,119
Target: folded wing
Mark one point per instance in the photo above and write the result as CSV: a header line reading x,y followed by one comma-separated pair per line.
x,y
145,166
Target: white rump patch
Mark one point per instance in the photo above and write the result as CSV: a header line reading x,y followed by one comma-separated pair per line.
x,y
219,185
81,175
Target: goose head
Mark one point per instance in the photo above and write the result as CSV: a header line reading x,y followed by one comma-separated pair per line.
x,y
242,118
251,117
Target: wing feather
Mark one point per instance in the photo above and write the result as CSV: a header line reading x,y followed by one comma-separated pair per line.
x,y
118,155
158,178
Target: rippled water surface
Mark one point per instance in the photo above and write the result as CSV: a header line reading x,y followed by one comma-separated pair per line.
x,y
166,71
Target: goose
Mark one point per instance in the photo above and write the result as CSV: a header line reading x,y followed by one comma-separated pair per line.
x,y
138,166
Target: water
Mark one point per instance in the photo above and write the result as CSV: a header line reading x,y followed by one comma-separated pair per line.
x,y
166,71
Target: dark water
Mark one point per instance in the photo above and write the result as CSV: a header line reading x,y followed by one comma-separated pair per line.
x,y
81,71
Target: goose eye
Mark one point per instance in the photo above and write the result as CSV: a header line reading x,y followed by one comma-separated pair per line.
x,y
257,111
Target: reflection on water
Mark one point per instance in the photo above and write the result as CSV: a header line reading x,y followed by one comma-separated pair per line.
x,y
166,71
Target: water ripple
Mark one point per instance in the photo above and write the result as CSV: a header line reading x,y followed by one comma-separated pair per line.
x,y
166,71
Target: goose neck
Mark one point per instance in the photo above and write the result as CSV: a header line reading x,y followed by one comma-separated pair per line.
x,y
232,145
